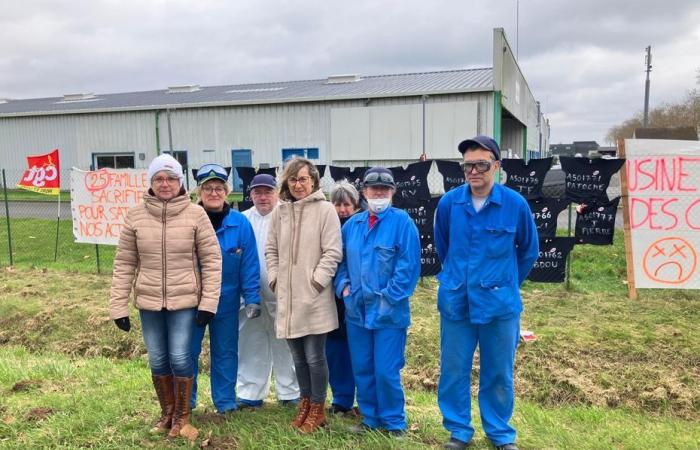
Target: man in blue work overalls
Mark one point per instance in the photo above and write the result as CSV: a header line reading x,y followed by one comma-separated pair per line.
x,y
487,242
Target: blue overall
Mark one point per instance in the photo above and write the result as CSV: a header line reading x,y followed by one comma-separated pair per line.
x,y
485,257
381,267
240,275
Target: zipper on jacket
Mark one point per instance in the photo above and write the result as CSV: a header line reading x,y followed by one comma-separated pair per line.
x,y
289,275
163,258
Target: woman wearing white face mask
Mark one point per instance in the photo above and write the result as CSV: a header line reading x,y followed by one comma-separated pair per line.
x,y
379,271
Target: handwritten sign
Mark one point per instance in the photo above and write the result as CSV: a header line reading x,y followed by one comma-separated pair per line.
x,y
100,201
663,184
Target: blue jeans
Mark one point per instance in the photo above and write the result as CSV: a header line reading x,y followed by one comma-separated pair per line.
x,y
168,337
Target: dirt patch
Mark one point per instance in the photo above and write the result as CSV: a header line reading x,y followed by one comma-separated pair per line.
x,y
25,385
38,414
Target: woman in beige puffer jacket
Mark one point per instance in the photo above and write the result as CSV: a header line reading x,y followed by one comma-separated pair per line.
x,y
302,254
169,256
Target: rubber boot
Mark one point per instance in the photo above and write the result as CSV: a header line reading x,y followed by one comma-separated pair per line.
x,y
181,417
166,397
316,418
302,412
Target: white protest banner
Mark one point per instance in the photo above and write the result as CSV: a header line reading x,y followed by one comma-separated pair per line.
x,y
663,187
100,200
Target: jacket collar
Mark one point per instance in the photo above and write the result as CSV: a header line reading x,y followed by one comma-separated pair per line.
x,y
496,195
313,197
173,207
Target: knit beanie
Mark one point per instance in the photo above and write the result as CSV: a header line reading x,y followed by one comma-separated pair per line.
x,y
165,162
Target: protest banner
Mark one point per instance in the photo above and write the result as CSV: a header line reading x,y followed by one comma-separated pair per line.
x,y
100,201
662,213
43,175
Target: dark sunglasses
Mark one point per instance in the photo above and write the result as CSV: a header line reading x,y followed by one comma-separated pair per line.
x,y
481,166
381,176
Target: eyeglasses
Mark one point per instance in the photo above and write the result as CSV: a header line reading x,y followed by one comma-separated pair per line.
x,y
161,180
215,189
481,166
381,176
294,180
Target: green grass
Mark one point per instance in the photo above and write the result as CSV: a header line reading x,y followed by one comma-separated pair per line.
x,y
33,245
22,195
605,372
53,401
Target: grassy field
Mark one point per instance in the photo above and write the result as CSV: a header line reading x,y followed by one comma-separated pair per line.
x,y
604,373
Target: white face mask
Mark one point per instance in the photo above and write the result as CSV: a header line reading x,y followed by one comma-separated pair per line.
x,y
378,205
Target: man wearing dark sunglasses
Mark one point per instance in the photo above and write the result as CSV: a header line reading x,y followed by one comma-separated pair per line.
x,y
487,242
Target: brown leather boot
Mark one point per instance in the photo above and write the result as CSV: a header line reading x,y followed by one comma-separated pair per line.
x,y
166,397
181,417
302,412
316,418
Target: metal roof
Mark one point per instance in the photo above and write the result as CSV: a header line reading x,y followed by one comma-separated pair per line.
x,y
331,88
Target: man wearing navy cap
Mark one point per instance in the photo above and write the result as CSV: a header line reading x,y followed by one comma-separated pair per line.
x,y
487,242
261,352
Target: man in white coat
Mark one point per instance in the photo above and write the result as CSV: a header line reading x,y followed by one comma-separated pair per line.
x,y
259,351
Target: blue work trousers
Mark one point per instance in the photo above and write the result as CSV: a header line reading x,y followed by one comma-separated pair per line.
x,y
497,341
167,335
223,347
340,375
377,359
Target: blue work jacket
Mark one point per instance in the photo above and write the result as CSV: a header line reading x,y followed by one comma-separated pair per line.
x,y
381,266
240,270
485,255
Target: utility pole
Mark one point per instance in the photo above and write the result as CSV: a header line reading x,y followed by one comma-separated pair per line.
x,y
647,62
517,28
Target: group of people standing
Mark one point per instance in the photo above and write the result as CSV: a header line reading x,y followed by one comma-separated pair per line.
x,y
283,287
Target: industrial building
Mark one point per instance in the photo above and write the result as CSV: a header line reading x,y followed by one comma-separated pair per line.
x,y
344,120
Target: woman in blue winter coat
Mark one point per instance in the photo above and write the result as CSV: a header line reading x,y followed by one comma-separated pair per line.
x,y
240,276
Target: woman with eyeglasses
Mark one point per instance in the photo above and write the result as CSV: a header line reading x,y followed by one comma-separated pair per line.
x,y
168,254
240,277
302,252
346,201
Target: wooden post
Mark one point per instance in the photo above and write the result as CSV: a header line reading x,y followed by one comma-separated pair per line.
x,y
624,193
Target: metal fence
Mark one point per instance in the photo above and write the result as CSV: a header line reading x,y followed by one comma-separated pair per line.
x,y
36,230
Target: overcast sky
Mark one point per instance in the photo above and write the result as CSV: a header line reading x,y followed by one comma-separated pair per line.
x,y
584,60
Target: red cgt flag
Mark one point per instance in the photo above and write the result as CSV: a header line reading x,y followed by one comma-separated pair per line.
x,y
43,175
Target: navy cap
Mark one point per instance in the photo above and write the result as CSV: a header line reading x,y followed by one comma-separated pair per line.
x,y
263,179
485,142
379,176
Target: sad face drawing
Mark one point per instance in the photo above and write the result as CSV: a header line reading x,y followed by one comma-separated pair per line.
x,y
670,260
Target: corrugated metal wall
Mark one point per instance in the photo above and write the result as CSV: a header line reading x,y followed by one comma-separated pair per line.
x,y
209,134
77,136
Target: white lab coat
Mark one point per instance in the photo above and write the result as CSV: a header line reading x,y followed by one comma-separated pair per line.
x,y
259,351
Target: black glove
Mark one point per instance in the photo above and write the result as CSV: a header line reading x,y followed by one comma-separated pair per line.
x,y
252,310
203,317
123,323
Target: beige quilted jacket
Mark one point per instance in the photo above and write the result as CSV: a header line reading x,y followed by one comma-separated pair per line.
x,y
169,255
302,254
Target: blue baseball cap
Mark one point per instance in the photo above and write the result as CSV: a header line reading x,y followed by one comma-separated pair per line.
x,y
211,172
485,142
263,179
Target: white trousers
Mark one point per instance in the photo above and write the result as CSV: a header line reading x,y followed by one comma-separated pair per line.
x,y
259,351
